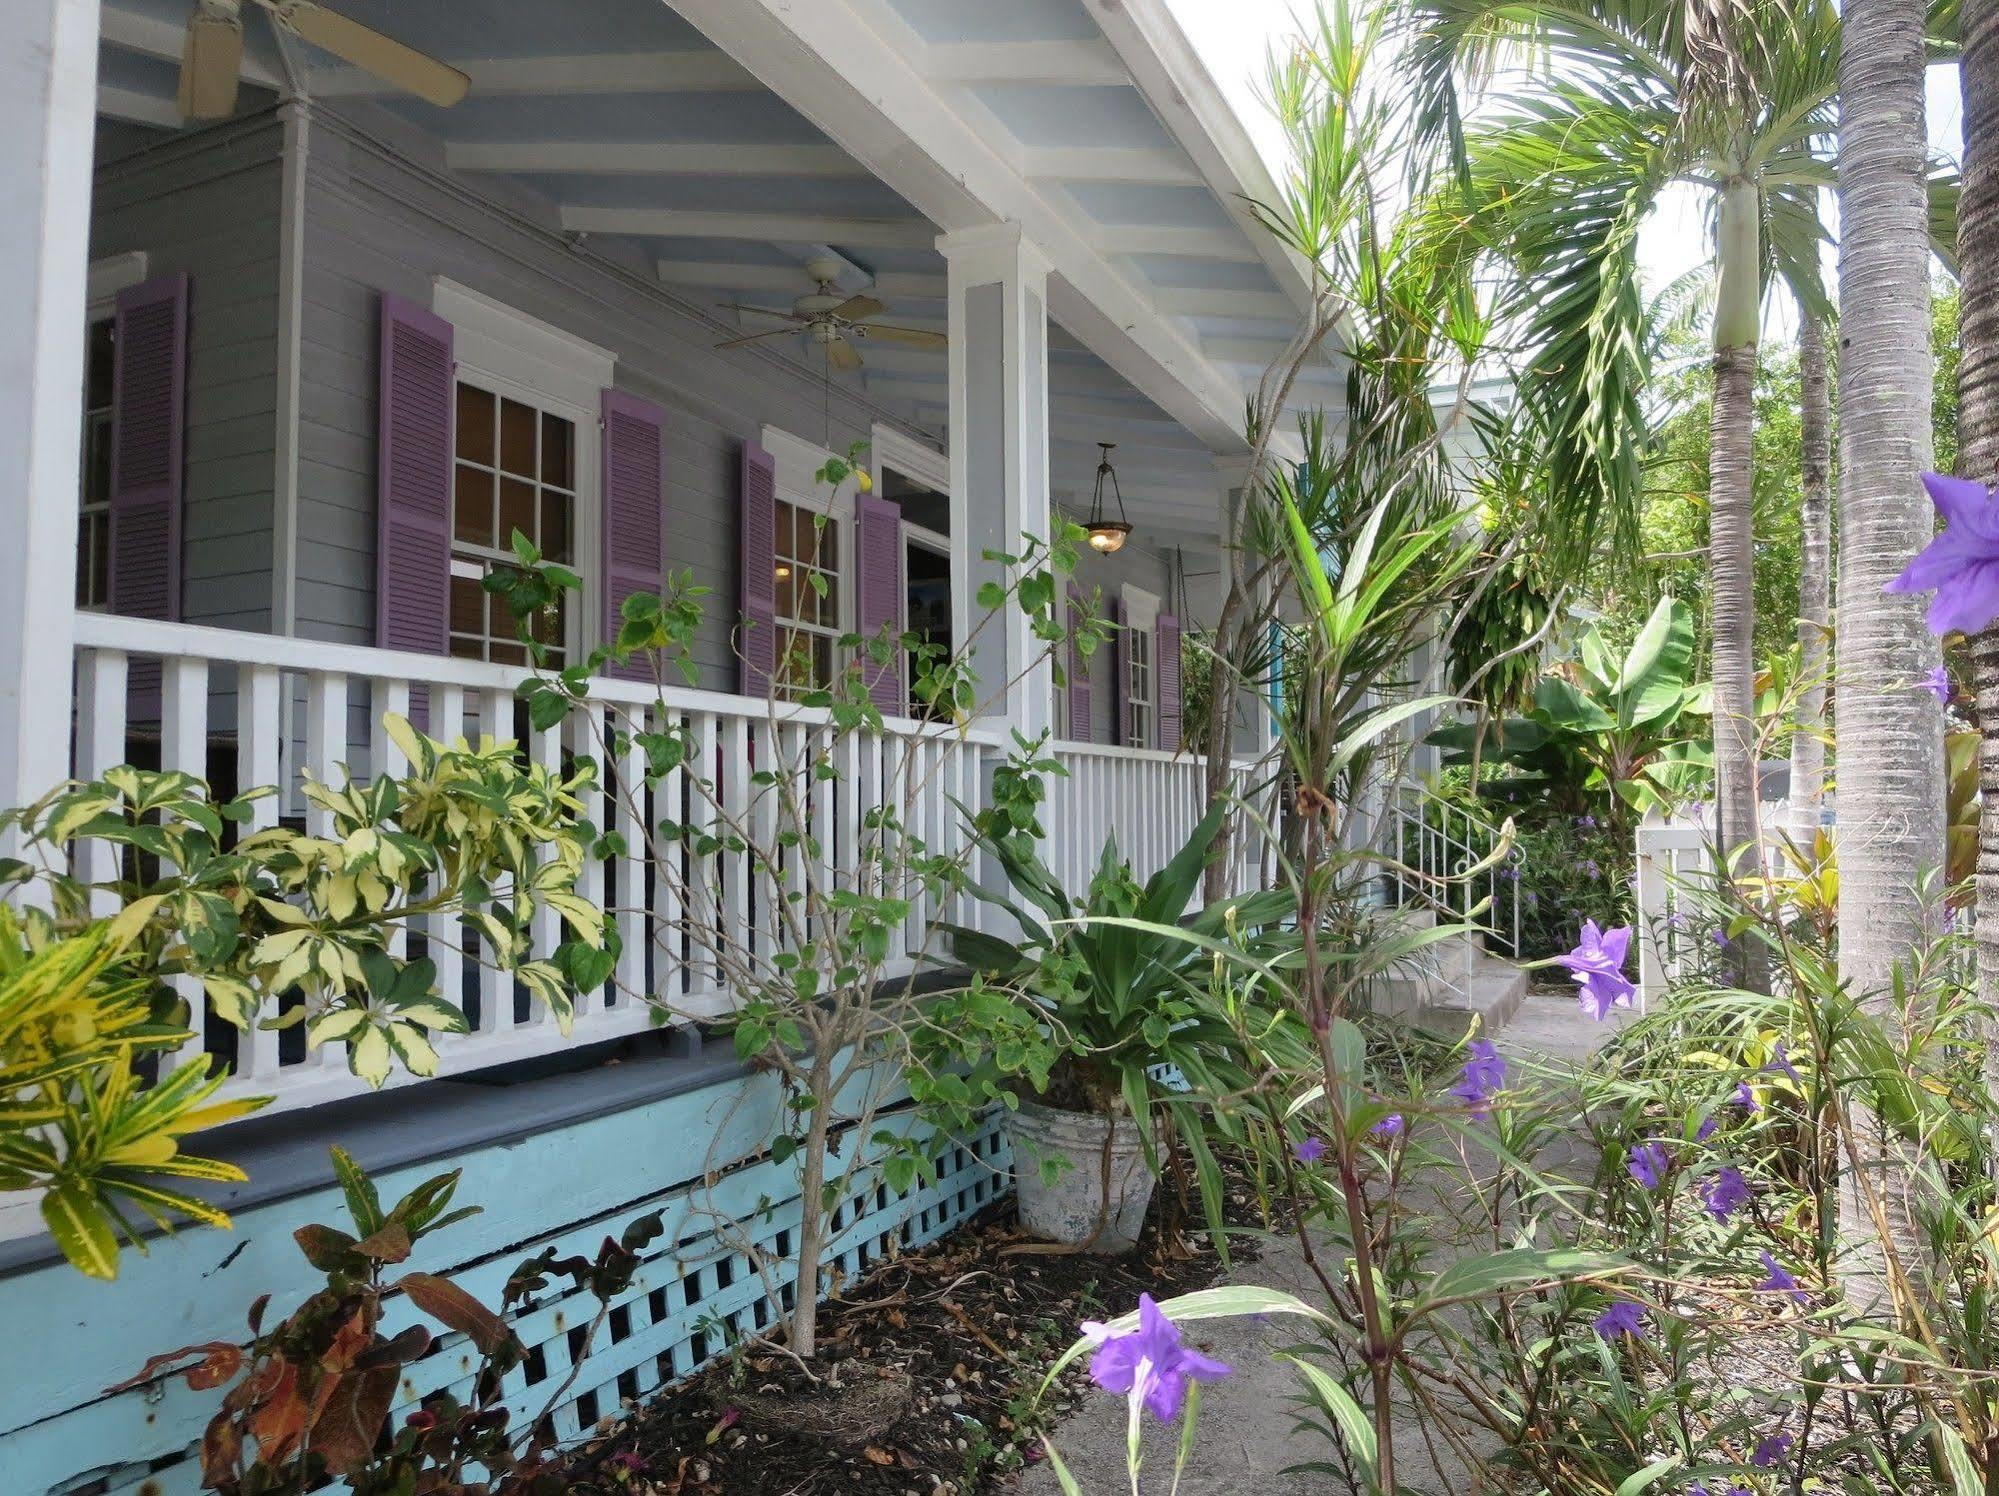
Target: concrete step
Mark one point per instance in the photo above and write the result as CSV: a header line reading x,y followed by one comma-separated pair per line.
x,y
1432,999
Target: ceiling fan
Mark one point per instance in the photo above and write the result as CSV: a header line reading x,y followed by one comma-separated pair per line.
x,y
213,55
834,320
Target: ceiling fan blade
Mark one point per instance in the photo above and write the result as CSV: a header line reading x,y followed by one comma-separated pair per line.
x,y
842,355
754,337
914,337
761,311
388,59
209,63
858,309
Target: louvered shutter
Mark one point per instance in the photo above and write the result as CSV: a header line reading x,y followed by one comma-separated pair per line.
x,y
148,437
880,597
634,504
757,550
1082,726
413,480
1166,670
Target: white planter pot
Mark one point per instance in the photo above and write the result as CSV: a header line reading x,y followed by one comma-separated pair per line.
x,y
1071,1210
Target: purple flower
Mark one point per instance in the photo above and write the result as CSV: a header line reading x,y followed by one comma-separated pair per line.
x,y
1746,1098
1706,1130
1778,1280
1389,1126
1587,823
1310,1150
1779,1061
1622,1318
1937,683
1677,920
1648,1163
1590,869
1597,963
1485,1073
1961,566
1699,1488
1721,941
1770,1451
1533,900
1726,1192
1149,1363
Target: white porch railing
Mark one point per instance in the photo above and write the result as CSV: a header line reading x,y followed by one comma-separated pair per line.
x,y
244,709
268,707
1149,800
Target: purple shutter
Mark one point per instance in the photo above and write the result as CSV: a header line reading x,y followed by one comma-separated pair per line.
x,y
1121,727
880,597
634,501
1082,726
413,480
1166,671
148,434
757,641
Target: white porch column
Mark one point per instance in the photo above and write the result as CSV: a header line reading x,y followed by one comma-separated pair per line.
x,y
999,449
48,104
1255,722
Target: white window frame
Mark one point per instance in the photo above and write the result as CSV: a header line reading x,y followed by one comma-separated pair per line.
x,y
523,358
104,280
890,447
795,460
1141,616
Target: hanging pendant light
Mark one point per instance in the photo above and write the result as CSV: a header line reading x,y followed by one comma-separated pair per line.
x,y
1106,534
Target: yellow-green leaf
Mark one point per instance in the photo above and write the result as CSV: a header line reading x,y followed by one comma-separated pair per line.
x,y
78,1223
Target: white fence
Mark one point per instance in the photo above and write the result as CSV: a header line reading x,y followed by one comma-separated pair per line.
x,y
1675,862
255,709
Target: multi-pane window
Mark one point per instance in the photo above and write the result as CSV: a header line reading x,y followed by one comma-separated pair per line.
x,y
93,520
808,600
1140,693
515,470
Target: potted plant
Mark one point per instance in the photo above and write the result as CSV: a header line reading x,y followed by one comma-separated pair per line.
x,y
1122,989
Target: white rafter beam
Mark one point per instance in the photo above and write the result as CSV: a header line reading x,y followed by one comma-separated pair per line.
x,y
723,276
156,36
776,228
650,158
1083,63
138,108
874,99
691,70
1089,163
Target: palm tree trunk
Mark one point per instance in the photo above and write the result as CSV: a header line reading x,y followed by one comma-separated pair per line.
x,y
1890,768
1731,529
1814,579
1978,429
1890,749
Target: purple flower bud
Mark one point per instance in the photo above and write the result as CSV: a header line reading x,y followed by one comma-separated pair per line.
x,y
1770,1451
1746,1098
1648,1163
1937,683
1706,1130
1726,1192
1779,1281
1622,1318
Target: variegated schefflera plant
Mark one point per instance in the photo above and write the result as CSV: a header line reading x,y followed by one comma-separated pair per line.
x,y
278,927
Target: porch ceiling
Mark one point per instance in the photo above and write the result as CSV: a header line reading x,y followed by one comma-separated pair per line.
x,y
629,122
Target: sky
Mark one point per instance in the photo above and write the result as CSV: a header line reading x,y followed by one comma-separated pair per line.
x,y
1234,37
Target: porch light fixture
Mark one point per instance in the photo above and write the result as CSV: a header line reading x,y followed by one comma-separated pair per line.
x,y
1107,535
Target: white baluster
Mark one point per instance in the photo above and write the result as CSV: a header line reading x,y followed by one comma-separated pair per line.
x,y
669,858
585,726
733,774
446,934
545,928
389,697
629,819
496,985
325,738
704,874
100,745
259,732
184,747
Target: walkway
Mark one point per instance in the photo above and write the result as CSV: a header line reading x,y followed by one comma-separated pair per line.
x,y
1247,1435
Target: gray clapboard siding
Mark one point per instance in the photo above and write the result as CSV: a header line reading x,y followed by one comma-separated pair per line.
x,y
207,202
377,221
